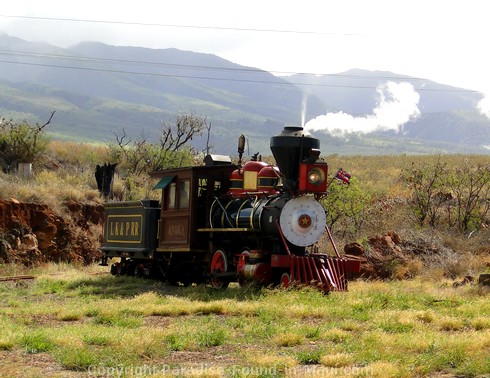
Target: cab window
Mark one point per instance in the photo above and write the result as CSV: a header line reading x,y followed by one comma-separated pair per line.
x,y
184,190
171,196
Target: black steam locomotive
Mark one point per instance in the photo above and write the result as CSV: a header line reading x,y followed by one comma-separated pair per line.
x,y
224,222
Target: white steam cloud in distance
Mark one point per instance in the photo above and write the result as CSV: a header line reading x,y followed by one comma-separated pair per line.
x,y
397,104
484,106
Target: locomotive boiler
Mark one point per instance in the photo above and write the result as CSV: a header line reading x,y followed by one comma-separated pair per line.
x,y
224,222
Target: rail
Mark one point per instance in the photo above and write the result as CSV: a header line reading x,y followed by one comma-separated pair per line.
x,y
30,277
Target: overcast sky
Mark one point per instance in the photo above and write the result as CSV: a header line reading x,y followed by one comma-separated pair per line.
x,y
444,41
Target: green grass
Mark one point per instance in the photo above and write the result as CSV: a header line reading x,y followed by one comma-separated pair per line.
x,y
36,341
400,329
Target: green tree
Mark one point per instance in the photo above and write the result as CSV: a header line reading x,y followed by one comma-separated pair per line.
x,y
471,188
460,196
426,182
140,156
346,202
21,142
136,158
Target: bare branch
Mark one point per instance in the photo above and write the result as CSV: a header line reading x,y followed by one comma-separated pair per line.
x,y
208,132
120,140
41,127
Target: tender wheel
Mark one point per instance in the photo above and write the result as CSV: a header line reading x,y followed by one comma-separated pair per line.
x,y
285,280
219,264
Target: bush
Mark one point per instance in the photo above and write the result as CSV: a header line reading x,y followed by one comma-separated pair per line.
x,y
21,143
346,201
458,196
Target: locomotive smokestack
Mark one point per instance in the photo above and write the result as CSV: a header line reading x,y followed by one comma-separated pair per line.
x,y
289,148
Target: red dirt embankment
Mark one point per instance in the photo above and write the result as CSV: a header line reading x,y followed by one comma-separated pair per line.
x,y
32,233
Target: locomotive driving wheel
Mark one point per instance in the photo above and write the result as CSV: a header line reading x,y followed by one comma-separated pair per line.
x,y
285,280
243,260
219,264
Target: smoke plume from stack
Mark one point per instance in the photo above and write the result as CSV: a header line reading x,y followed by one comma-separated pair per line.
x,y
397,104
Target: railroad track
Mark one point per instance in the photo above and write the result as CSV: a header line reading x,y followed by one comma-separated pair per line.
x,y
28,277
16,278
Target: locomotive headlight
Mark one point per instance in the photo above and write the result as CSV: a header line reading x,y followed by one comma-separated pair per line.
x,y
312,177
316,176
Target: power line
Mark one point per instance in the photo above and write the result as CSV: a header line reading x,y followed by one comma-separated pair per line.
x,y
143,62
281,82
307,32
284,82
200,67
242,69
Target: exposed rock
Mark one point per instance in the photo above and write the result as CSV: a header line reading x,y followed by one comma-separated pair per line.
x,y
395,237
354,249
5,251
29,241
465,281
484,280
31,233
389,256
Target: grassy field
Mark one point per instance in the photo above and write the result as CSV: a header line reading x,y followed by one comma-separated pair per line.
x,y
73,323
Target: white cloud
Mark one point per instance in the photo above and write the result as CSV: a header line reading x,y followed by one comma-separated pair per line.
x,y
397,104
484,106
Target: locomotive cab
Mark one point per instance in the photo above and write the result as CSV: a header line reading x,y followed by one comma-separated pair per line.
x,y
186,199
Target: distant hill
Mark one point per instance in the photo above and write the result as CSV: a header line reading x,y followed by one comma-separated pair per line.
x,y
97,89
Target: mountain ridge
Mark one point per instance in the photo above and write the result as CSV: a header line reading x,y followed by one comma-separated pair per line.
x,y
97,89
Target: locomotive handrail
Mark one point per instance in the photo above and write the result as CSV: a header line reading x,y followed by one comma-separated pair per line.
x,y
224,212
282,237
124,249
254,193
228,229
332,241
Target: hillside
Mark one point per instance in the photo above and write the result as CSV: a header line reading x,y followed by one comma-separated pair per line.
x,y
98,89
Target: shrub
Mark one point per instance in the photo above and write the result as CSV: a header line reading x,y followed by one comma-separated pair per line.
x,y
21,143
346,201
459,195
